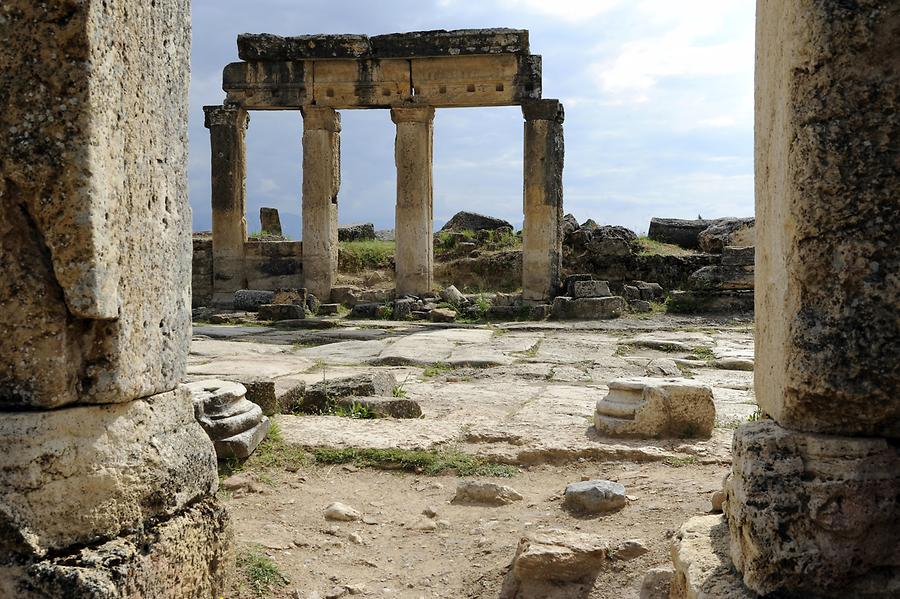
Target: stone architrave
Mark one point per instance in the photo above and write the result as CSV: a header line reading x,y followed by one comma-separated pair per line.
x,y
227,133
655,408
414,257
321,183
828,216
543,199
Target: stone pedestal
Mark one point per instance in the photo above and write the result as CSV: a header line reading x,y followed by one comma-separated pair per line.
x,y
414,257
321,182
111,492
543,201
227,131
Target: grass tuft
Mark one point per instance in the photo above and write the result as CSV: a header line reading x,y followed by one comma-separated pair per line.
x,y
703,353
355,256
437,369
260,572
430,463
680,461
651,247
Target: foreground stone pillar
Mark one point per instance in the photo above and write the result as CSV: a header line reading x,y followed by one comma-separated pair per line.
x,y
111,492
543,202
227,132
812,502
414,228
321,182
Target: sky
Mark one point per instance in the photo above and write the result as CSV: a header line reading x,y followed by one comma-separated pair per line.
x,y
658,98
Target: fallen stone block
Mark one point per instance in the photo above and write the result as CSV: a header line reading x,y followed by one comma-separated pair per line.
x,y
277,312
366,310
442,315
703,568
594,497
640,306
650,291
559,556
814,514
243,444
312,303
262,393
588,308
328,309
590,289
289,296
320,396
721,277
738,256
382,407
568,285
251,299
348,296
485,493
657,583
655,408
697,302
470,221
727,231
453,296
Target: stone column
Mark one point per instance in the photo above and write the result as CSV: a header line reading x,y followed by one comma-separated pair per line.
x,y
107,482
813,501
543,201
414,228
321,182
227,131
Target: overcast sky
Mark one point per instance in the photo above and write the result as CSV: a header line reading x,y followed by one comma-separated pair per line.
x,y
658,97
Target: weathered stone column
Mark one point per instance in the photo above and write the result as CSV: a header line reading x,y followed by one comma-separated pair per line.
x,y
227,132
414,228
813,500
321,182
106,480
543,201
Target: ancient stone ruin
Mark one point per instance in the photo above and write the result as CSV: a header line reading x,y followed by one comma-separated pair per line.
x,y
410,74
107,480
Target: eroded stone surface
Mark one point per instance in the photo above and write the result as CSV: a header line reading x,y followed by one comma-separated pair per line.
x,y
813,513
86,473
654,407
559,556
703,568
95,230
235,425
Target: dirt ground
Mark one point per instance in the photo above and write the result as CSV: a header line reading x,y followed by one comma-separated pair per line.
x,y
516,394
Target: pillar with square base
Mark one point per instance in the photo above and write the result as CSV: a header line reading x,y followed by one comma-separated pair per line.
x,y
543,199
227,132
414,226
321,183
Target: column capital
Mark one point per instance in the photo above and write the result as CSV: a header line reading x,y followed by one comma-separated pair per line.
x,y
412,114
225,116
544,110
321,118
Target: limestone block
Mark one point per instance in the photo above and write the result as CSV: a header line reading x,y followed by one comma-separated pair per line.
x,y
289,296
86,473
559,556
703,568
235,425
251,299
244,443
693,302
738,255
813,514
95,227
727,231
188,555
595,496
656,408
382,407
588,308
270,221
591,289
722,277
376,384
828,219
276,312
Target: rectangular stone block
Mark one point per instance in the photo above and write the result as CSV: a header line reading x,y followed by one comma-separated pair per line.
x,y
814,515
588,308
188,555
828,219
273,264
95,227
591,289
84,474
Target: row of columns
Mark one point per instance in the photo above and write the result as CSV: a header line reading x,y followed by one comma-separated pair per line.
x,y
414,228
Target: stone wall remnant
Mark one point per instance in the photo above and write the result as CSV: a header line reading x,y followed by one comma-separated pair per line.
x,y
270,221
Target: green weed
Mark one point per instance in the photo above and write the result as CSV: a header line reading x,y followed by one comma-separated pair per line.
x,y
420,461
260,572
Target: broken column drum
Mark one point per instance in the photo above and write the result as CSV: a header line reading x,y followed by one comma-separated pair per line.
x,y
107,482
411,74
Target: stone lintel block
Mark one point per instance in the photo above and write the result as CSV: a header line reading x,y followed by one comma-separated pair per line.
x,y
656,408
190,554
95,231
321,117
813,514
544,110
84,474
703,568
268,47
828,219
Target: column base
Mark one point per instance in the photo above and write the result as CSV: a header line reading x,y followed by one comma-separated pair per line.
x,y
188,555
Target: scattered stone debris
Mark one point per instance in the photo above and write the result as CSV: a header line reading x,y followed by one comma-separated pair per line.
x,y
357,232
559,556
629,549
341,512
235,425
485,493
656,408
594,497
